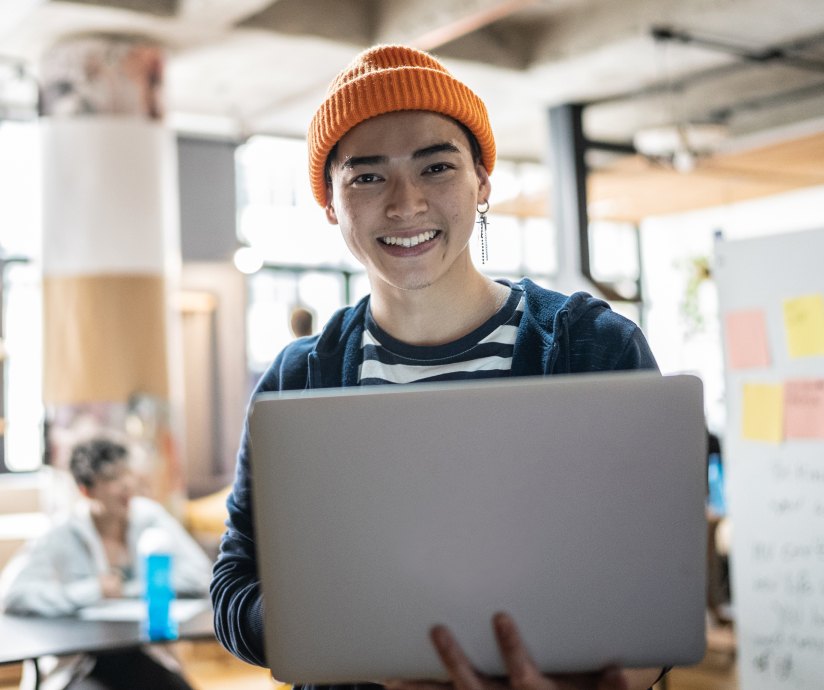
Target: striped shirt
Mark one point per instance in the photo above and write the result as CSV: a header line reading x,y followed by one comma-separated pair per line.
x,y
486,352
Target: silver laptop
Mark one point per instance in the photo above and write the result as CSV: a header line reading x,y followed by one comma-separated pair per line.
x,y
575,503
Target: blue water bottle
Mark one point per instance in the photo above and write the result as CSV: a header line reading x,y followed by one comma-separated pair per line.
x,y
716,500
159,592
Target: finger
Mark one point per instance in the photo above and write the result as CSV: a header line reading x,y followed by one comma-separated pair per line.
x,y
457,664
522,672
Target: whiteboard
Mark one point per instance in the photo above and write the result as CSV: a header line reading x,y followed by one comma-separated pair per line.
x,y
774,454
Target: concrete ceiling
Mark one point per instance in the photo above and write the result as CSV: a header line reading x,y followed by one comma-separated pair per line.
x,y
241,67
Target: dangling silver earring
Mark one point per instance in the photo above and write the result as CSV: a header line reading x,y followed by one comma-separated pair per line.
x,y
483,223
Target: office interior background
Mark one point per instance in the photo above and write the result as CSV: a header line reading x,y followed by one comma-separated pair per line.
x,y
690,122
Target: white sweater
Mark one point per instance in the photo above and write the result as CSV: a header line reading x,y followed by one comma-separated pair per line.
x,y
60,571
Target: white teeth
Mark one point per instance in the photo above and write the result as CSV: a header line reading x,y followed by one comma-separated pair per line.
x,y
410,241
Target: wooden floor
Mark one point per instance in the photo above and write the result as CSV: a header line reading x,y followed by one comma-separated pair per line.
x,y
208,667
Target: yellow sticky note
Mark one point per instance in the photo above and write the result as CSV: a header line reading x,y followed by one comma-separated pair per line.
x,y
763,412
804,321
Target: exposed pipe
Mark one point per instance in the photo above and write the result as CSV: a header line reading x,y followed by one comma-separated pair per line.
x,y
771,54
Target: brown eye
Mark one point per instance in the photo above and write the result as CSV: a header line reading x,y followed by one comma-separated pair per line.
x,y
366,178
438,168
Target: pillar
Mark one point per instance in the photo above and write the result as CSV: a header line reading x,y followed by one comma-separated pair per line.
x,y
569,198
567,159
111,255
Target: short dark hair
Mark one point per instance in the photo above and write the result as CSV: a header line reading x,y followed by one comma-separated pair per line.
x,y
90,458
474,146
302,321
474,149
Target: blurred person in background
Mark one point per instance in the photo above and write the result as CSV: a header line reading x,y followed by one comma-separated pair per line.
x,y
91,556
301,321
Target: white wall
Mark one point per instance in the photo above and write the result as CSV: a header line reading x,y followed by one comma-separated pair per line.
x,y
668,243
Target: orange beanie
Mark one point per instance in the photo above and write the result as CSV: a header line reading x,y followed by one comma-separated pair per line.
x,y
384,79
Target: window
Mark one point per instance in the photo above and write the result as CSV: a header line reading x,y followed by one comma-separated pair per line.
x,y
22,371
22,408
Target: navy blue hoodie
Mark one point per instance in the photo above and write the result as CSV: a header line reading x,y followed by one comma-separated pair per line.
x,y
557,335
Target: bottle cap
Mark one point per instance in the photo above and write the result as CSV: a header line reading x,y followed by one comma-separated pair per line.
x,y
154,540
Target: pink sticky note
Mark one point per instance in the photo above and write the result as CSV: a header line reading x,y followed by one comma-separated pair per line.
x,y
747,346
804,408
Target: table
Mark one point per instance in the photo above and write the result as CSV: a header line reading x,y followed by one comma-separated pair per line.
x,y
31,637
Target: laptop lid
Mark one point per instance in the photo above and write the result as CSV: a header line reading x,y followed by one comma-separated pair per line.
x,y
575,503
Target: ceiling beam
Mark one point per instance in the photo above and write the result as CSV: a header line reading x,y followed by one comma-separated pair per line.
x,y
341,21
157,8
220,13
428,24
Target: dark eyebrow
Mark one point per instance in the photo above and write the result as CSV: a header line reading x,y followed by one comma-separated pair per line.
x,y
354,161
445,147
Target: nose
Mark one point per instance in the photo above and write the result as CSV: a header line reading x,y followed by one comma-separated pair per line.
x,y
406,198
128,484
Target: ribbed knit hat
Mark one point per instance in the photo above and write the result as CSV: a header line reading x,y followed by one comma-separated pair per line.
x,y
385,79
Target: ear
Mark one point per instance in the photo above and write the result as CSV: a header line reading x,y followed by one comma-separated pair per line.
x,y
84,490
484,185
331,216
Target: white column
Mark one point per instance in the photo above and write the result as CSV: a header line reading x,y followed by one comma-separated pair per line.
x,y
110,253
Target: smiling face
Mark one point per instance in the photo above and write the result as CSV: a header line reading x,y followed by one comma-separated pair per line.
x,y
112,490
404,191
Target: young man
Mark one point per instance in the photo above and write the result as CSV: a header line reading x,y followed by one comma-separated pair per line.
x,y
400,155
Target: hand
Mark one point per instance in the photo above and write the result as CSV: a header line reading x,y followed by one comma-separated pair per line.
x,y
522,673
111,585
